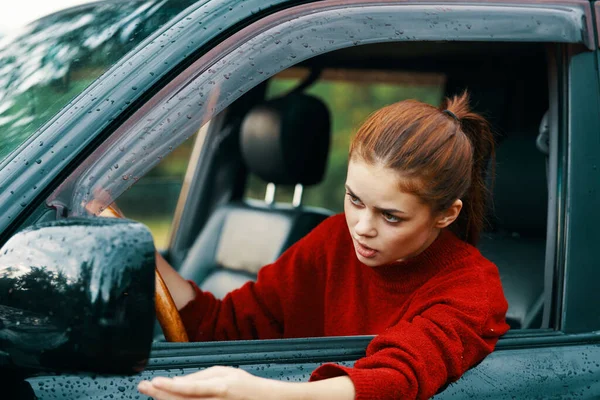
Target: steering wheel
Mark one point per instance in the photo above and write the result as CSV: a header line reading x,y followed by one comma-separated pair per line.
x,y
166,311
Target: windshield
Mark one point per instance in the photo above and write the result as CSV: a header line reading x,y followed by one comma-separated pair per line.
x,y
52,60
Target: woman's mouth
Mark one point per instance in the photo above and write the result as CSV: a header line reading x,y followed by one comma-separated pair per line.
x,y
364,251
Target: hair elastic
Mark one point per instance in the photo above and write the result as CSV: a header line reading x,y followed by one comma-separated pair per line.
x,y
450,113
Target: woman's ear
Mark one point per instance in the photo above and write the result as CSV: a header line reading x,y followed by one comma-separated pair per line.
x,y
449,215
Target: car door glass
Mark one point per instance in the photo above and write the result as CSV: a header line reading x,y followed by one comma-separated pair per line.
x,y
153,198
52,60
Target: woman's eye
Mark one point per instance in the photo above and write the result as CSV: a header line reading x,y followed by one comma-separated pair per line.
x,y
353,199
390,218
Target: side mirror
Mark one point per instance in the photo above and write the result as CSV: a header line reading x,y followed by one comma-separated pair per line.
x,y
77,295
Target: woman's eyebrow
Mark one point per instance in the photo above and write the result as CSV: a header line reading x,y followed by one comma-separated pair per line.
x,y
389,210
386,210
348,189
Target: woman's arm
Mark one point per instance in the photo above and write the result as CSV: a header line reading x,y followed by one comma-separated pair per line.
x,y
181,290
236,384
340,388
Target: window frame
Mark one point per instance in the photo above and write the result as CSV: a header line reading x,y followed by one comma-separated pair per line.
x,y
580,119
227,46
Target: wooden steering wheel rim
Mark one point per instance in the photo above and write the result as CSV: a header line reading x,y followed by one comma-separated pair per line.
x,y
167,314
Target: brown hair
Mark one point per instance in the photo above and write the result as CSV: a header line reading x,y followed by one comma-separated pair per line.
x,y
441,154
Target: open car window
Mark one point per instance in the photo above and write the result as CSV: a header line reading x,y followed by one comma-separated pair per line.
x,y
516,230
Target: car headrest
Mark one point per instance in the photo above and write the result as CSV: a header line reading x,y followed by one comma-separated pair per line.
x,y
286,140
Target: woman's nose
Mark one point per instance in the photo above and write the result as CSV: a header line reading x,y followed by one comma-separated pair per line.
x,y
364,226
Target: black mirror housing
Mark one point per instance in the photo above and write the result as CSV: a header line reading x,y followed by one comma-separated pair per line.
x,y
77,295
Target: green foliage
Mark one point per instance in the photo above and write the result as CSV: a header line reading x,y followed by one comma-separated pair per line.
x,y
38,289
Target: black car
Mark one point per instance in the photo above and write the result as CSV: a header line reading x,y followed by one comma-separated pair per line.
x,y
146,103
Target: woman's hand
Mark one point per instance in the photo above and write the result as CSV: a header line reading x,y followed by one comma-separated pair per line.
x,y
212,383
235,384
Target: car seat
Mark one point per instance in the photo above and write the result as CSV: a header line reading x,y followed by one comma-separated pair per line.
x,y
284,141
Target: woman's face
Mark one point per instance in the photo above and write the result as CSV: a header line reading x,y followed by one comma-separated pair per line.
x,y
386,224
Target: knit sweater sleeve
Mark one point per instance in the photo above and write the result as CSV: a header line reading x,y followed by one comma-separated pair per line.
x,y
258,309
453,325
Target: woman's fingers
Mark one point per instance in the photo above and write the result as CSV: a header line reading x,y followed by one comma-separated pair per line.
x,y
196,388
211,383
149,389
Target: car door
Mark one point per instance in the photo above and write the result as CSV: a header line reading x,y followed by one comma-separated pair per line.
x,y
185,75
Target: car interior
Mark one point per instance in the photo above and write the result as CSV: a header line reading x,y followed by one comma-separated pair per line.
x,y
285,141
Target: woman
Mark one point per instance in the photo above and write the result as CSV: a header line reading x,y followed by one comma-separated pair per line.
x,y
400,263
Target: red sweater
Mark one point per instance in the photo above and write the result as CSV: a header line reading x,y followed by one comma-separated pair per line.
x,y
436,314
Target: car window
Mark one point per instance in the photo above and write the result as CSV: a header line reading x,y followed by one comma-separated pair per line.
x,y
52,60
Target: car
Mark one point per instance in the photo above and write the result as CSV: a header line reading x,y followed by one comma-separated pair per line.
x,y
98,101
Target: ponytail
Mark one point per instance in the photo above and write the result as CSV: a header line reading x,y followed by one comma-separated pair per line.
x,y
471,220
